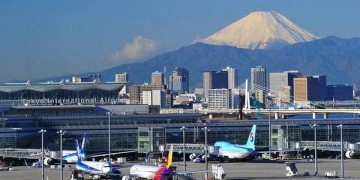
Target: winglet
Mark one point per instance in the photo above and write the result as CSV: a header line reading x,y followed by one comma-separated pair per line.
x,y
170,155
251,140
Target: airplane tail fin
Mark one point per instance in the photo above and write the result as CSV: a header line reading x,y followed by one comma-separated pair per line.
x,y
82,150
251,140
78,150
170,155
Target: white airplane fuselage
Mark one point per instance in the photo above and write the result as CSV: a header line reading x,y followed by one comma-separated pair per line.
x,y
144,171
235,155
94,167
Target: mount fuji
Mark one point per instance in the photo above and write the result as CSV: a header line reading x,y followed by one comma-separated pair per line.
x,y
259,40
261,30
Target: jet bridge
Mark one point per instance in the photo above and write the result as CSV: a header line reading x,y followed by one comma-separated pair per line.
x,y
325,145
20,153
193,148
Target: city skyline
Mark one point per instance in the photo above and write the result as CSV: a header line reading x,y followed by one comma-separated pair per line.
x,y
46,39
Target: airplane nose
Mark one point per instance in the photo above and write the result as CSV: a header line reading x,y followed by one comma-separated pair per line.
x,y
106,168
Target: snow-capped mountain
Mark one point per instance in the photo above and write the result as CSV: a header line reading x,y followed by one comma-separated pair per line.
x,y
261,30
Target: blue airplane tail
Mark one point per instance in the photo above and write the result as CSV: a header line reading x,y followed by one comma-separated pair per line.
x,y
82,150
78,150
251,140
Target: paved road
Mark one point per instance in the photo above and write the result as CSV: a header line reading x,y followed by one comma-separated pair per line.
x,y
256,169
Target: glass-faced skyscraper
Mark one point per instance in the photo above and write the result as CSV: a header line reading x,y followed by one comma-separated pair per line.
x,y
282,84
179,81
258,77
232,77
310,88
258,82
214,80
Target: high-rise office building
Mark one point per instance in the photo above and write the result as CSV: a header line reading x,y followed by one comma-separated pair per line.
x,y
91,78
154,97
258,77
220,99
339,92
179,81
232,77
157,78
123,78
321,87
207,78
135,92
282,85
310,88
258,82
214,80
302,89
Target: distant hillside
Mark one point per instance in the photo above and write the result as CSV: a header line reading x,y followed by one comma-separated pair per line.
x,y
338,59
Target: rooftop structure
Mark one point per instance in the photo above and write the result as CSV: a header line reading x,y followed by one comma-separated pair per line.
x,y
52,93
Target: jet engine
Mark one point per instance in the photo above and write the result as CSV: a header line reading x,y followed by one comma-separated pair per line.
x,y
350,154
192,156
47,161
125,178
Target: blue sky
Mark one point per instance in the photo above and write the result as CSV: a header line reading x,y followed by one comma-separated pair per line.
x,y
49,38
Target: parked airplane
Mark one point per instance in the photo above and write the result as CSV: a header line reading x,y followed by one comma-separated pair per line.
x,y
236,151
95,169
153,172
166,172
69,156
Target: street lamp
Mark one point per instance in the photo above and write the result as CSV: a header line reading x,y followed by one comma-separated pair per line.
x,y
42,131
183,130
315,142
342,149
109,114
206,129
61,132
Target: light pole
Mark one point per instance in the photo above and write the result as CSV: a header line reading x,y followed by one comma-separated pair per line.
x,y
269,134
61,132
342,149
315,151
42,131
183,130
109,114
206,129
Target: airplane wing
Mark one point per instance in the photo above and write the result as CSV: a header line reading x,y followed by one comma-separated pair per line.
x,y
107,154
219,171
275,151
188,173
109,175
244,147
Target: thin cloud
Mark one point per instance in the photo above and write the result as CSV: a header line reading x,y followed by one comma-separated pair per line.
x,y
197,39
137,50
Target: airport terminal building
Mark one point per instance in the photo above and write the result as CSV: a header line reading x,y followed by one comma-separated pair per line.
x,y
80,108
